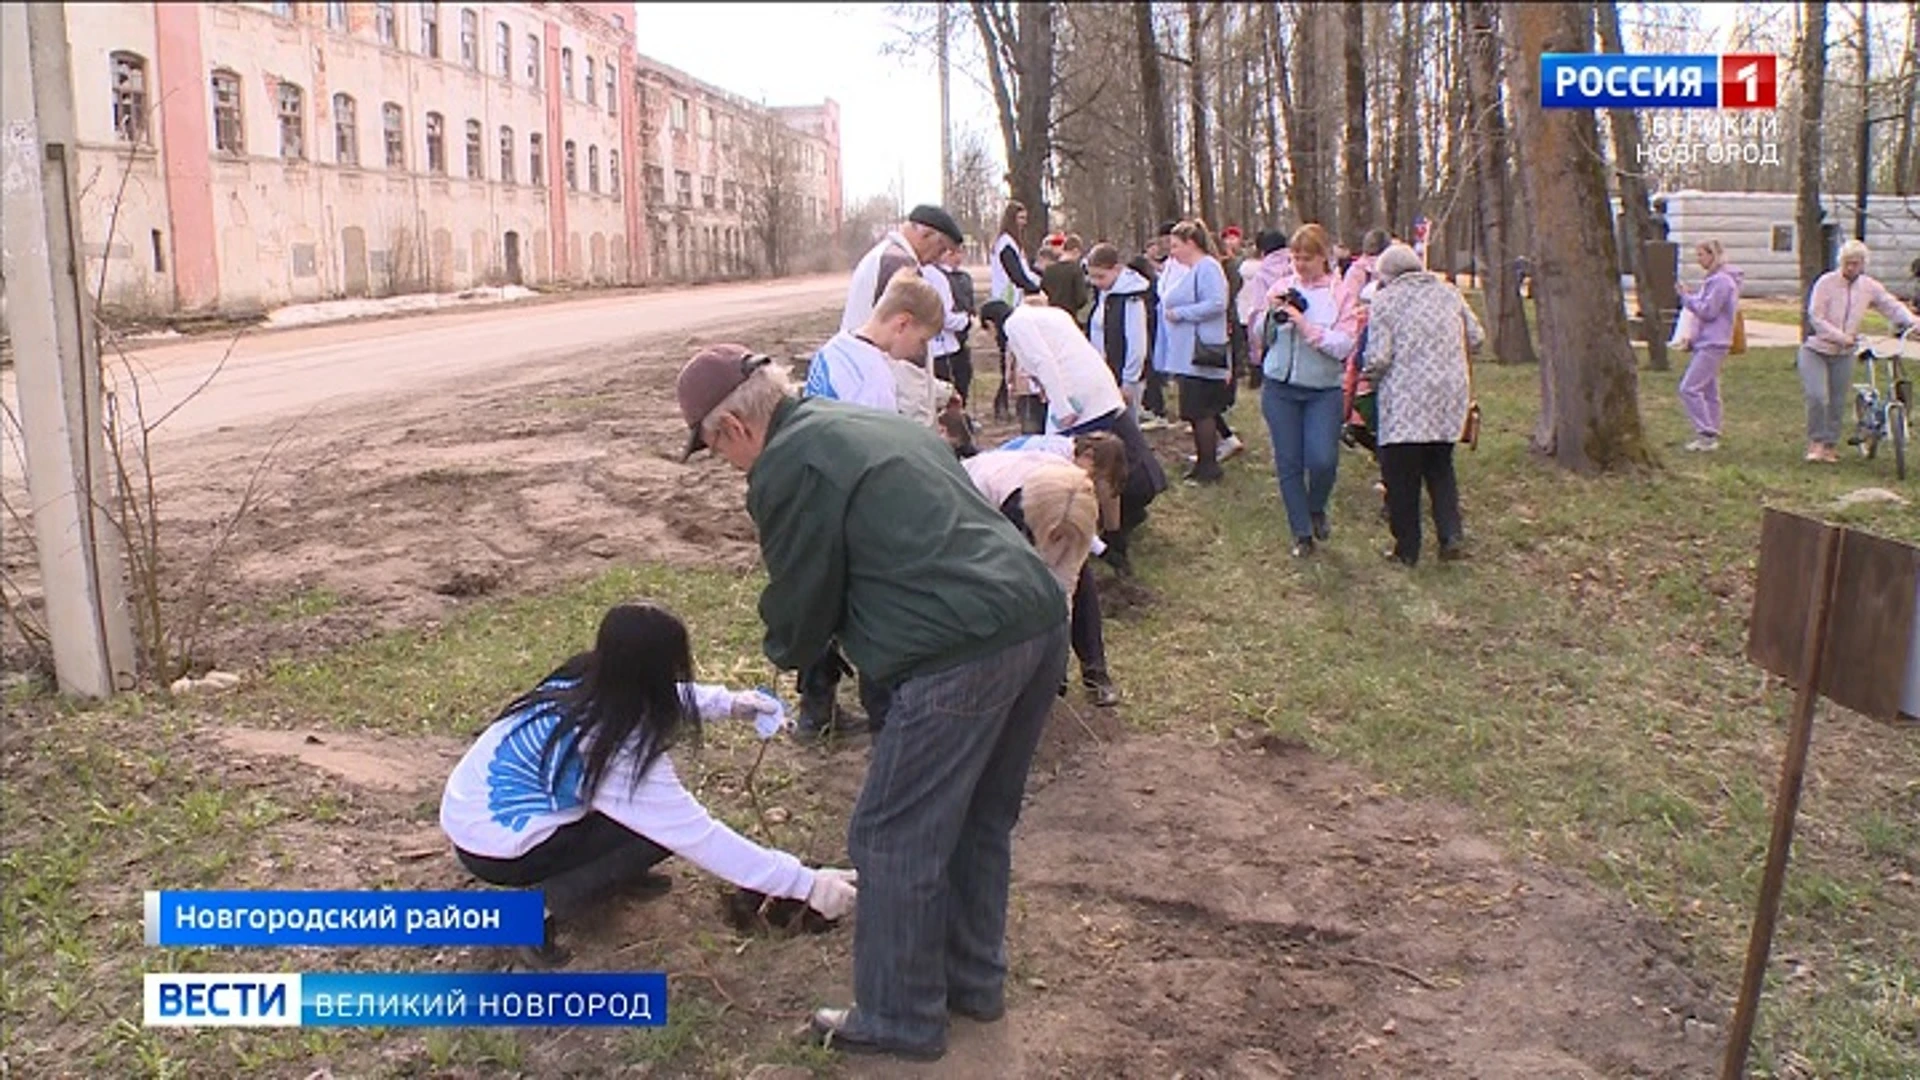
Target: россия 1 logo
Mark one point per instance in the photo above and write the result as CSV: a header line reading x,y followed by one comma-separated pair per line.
x,y
1614,81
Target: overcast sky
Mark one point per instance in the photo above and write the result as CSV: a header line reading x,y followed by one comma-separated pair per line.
x,y
796,54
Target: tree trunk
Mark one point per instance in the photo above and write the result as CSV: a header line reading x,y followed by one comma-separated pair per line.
x,y
1299,188
1357,185
1903,159
1499,282
1403,183
1808,238
1596,407
1634,204
1302,115
1034,54
1270,125
1153,103
1202,148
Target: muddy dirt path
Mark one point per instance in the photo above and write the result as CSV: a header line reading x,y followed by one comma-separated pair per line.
x,y
1241,912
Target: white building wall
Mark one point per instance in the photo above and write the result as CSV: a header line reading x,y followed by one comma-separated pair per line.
x,y
123,190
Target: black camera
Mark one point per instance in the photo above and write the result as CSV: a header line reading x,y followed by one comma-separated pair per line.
x,y
1292,298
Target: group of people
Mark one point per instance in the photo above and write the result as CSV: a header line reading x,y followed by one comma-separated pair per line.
x,y
955,581
1836,305
1296,319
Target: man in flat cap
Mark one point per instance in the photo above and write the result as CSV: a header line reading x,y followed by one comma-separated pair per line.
x,y
925,236
873,534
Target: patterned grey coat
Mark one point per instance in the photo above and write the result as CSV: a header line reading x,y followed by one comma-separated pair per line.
x,y
1420,333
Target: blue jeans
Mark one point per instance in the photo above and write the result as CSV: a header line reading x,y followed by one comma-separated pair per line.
x,y
931,835
1305,428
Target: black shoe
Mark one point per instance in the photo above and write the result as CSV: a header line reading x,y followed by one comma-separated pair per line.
x,y
1303,547
1322,531
545,956
1100,690
1211,475
648,886
1454,552
1117,559
830,1029
1394,556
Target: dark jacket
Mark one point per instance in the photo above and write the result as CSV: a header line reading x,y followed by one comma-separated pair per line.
x,y
1067,288
963,300
872,533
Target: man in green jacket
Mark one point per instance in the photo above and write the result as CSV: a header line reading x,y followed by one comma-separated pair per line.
x,y
873,535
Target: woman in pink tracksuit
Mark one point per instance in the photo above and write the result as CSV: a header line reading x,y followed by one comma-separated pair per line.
x,y
1713,303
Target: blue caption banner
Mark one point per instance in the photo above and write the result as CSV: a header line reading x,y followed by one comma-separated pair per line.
x,y
1614,81
348,999
345,918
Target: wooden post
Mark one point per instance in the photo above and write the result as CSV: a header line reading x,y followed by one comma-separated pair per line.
x,y
1793,768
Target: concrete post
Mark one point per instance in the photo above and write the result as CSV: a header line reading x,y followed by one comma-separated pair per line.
x,y
56,360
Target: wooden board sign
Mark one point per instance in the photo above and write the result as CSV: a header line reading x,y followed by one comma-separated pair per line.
x,y
1872,662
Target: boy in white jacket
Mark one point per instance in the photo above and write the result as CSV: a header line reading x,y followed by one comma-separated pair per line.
x,y
1082,394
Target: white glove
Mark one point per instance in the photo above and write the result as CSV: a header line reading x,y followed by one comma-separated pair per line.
x,y
768,714
833,893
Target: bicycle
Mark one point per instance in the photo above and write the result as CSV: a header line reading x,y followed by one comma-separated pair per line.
x,y
1880,417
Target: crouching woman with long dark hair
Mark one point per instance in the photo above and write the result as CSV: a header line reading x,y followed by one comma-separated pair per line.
x,y
570,789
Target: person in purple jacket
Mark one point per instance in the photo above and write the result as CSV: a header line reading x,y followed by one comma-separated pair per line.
x,y
1713,303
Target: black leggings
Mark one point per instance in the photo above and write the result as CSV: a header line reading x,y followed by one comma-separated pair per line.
x,y
956,368
580,861
1086,628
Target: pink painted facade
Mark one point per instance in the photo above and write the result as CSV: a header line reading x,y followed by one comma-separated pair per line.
x,y
185,143
241,156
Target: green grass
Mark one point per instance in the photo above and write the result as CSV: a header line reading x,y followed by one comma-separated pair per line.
x,y
1787,313
1580,685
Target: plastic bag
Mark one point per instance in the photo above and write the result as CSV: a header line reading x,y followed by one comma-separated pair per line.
x,y
1683,331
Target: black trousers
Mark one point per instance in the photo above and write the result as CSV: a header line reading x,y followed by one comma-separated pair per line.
x,y
1087,635
1405,467
956,368
578,863
1153,398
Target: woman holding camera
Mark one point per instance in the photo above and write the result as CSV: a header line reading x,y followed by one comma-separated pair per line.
x,y
1309,332
1192,343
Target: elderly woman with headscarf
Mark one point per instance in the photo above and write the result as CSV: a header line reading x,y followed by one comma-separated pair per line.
x,y
1420,337
1834,308
1714,304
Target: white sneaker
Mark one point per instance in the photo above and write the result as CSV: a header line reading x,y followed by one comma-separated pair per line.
x,y
1231,448
1150,422
1705,444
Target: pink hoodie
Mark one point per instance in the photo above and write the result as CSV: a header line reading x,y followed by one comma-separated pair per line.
x,y
1835,307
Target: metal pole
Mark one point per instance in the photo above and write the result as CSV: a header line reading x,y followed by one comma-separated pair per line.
x,y
1793,770
56,357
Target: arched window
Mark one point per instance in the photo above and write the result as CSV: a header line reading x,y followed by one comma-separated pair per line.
x,y
613,173
293,122
393,129
436,144
129,96
572,165
506,155
593,169
229,127
346,131
476,152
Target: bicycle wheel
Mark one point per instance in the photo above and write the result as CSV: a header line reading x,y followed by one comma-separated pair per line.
x,y
1897,431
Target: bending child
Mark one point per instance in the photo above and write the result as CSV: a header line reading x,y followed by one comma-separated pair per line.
x,y
570,789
